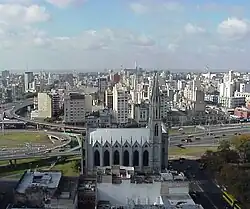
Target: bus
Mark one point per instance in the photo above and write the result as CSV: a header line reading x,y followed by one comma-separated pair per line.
x,y
231,201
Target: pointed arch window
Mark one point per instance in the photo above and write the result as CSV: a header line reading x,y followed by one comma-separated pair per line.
x,y
126,158
136,158
156,131
116,157
97,158
145,158
106,158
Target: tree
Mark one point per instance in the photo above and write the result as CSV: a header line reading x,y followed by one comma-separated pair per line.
x,y
242,145
224,145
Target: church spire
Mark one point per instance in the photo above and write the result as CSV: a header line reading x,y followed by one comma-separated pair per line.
x,y
155,95
155,107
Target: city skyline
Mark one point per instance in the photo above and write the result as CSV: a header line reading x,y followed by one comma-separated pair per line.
x,y
94,35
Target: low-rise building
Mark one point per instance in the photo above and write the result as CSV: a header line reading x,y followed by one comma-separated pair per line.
x,y
45,190
119,186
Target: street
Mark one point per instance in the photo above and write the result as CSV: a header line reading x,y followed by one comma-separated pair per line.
x,y
202,189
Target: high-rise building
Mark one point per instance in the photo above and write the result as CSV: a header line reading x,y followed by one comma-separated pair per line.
x,y
28,80
5,74
109,99
44,101
75,107
120,103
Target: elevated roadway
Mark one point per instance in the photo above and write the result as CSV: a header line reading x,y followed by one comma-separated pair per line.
x,y
39,155
29,102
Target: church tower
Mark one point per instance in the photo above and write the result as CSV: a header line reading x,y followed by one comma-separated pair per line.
x,y
155,127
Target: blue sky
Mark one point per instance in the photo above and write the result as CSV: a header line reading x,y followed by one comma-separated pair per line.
x,y
95,34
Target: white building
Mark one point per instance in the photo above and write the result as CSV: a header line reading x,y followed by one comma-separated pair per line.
x,y
140,113
143,148
44,101
75,108
119,186
120,104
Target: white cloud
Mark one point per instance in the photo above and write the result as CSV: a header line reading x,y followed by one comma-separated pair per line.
x,y
173,47
65,3
173,6
234,28
138,8
142,7
193,29
19,14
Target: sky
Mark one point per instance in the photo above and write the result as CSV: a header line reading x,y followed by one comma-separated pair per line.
x,y
91,35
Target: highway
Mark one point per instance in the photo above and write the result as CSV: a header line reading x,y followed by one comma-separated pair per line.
x,y
204,140
25,103
39,155
32,149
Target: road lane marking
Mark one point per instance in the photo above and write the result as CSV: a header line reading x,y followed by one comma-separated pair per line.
x,y
198,185
211,202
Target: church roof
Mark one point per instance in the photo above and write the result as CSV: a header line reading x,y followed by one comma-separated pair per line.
x,y
120,135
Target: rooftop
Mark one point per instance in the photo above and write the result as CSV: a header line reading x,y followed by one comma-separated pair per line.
x,y
119,185
121,135
45,179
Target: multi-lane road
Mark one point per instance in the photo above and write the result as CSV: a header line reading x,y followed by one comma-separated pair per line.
x,y
207,138
202,188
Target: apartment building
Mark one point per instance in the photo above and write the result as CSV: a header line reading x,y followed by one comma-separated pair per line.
x,y
76,106
120,103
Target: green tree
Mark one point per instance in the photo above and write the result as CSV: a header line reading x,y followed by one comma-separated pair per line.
x,y
242,145
224,145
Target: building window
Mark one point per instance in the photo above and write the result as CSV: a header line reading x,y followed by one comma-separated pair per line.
x,y
136,158
97,158
106,159
156,130
145,158
116,158
126,158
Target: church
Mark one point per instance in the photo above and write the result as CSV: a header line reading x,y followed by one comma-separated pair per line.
x,y
145,149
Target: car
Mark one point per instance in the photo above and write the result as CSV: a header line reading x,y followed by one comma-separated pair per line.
x,y
197,138
183,140
179,145
223,134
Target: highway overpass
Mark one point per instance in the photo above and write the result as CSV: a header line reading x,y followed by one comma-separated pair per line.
x,y
39,155
18,106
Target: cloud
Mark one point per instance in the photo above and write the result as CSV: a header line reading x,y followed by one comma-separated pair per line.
x,y
138,8
65,3
20,14
143,7
173,6
87,40
193,29
173,47
233,28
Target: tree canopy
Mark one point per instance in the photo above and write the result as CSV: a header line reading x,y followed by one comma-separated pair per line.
x,y
230,165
